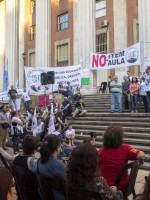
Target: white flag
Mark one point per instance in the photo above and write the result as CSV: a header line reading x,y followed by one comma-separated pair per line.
x,y
51,122
34,124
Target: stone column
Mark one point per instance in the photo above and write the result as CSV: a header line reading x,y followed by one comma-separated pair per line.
x,y
2,41
120,31
43,33
84,37
12,17
21,42
144,30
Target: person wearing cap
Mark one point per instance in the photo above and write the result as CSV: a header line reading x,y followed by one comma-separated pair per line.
x,y
147,78
116,93
69,90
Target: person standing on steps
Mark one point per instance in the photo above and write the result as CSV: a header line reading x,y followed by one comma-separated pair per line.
x,y
116,93
12,93
147,78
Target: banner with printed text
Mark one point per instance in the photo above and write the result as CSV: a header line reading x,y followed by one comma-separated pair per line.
x,y
64,74
127,57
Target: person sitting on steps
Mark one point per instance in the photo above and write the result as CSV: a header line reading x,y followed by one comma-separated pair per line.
x,y
79,109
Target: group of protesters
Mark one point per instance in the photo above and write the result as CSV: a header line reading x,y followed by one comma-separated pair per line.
x,y
132,91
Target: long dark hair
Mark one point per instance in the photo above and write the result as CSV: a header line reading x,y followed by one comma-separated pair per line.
x,y
83,166
50,145
6,182
113,137
135,81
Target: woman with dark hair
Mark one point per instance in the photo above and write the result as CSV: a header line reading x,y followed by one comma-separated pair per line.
x,y
82,171
6,184
114,155
61,89
30,145
16,128
49,164
134,91
146,193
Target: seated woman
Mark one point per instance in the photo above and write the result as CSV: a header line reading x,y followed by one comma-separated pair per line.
x,y
49,164
40,129
61,119
82,172
114,155
6,156
42,114
79,109
6,184
77,94
16,127
70,135
27,160
61,89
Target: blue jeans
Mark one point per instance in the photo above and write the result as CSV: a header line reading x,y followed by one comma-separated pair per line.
x,y
27,103
13,103
15,139
148,100
114,96
65,151
134,102
71,95
67,111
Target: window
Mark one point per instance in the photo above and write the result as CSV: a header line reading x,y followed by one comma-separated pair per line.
x,y
33,6
32,32
62,22
62,55
32,59
101,43
100,8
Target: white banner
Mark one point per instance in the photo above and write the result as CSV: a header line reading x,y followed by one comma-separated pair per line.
x,y
64,74
124,58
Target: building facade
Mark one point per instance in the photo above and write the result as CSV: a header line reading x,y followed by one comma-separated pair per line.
x,y
64,33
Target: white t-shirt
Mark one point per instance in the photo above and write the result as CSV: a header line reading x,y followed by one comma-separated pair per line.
x,y
25,96
143,88
20,128
70,132
148,82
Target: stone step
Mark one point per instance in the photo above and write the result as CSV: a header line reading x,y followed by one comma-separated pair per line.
x,y
126,134
142,142
108,123
98,127
99,144
136,115
123,119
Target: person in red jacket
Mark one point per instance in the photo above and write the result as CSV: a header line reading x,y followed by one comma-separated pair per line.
x,y
114,155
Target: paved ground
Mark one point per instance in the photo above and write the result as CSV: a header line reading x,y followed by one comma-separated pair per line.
x,y
139,182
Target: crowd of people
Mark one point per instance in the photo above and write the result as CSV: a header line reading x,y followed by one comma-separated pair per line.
x,y
80,165
85,167
132,91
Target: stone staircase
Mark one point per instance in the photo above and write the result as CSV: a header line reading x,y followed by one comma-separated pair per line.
x,y
136,126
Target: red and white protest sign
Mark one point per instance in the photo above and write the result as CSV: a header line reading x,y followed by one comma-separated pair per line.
x,y
127,57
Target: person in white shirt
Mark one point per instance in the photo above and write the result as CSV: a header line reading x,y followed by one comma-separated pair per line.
x,y
70,134
143,93
26,99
